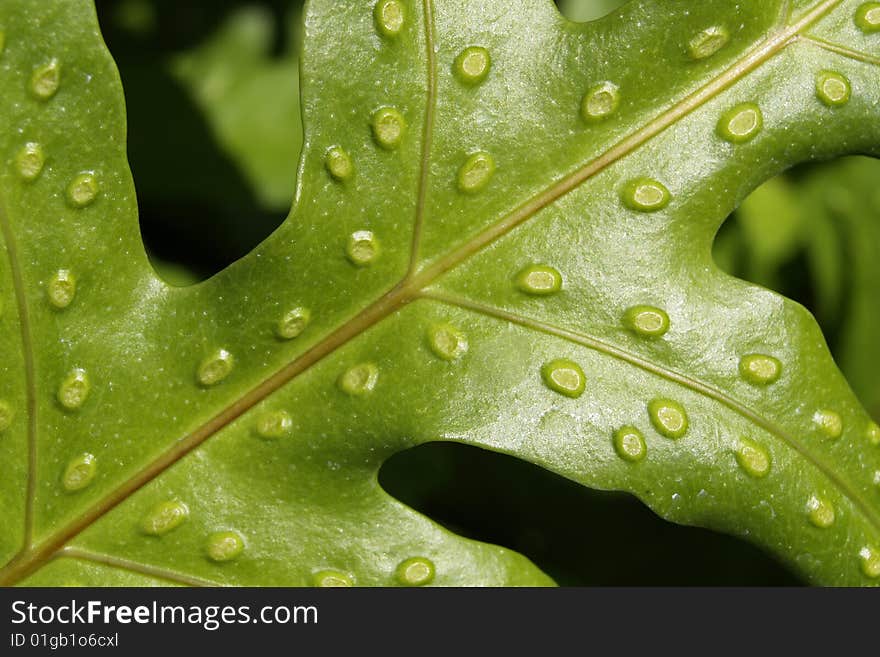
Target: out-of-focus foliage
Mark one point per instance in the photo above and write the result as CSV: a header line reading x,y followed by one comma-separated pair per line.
x,y
814,234
230,77
196,76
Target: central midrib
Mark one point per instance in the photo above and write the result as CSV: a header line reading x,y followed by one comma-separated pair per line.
x,y
409,289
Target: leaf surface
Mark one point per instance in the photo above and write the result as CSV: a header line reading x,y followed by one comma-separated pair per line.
x,y
498,213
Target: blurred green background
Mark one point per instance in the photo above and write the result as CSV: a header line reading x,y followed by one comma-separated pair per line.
x,y
214,140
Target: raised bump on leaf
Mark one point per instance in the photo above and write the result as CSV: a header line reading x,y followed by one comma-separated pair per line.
x,y
224,546
79,473
629,443
339,163
539,280
741,124
600,102
868,17
61,289
646,195
389,127
565,377
332,579
706,43
870,561
753,458
29,161
74,389
363,248
829,423
359,380
760,369
472,65
293,323
820,512
215,368
647,321
83,190
833,88
164,517
447,341
7,414
668,417
476,172
274,424
46,79
415,571
873,433
390,16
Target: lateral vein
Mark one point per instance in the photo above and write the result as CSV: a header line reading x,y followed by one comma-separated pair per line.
x,y
134,567
427,137
695,385
830,46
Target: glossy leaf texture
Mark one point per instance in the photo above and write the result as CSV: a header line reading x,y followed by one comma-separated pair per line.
x,y
501,236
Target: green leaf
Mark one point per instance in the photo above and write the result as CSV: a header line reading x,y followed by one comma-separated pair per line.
x,y
501,237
